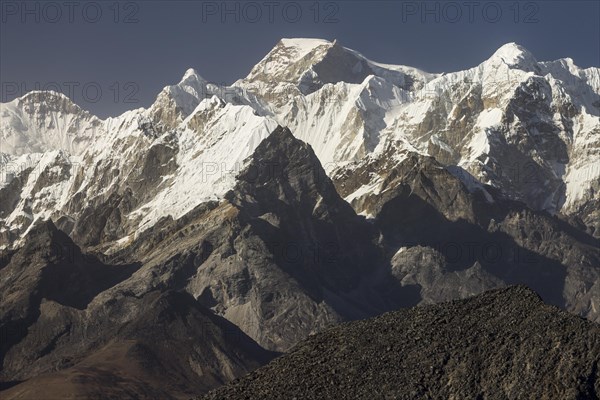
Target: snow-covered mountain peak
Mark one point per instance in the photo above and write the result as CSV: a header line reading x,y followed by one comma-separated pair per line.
x,y
47,100
43,121
191,83
41,95
515,56
191,75
299,67
298,48
175,102
289,60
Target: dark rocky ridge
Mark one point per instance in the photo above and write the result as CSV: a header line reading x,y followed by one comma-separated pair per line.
x,y
503,344
171,348
48,267
286,197
425,208
62,336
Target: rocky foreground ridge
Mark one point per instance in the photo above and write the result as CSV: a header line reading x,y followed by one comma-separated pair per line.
x,y
502,344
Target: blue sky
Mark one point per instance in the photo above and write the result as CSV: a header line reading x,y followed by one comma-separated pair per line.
x,y
113,56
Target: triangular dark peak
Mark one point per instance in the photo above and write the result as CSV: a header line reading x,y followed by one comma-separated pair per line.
x,y
280,156
285,182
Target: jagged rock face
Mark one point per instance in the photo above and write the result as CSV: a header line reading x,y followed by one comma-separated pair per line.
x,y
291,212
284,256
501,344
105,219
417,176
285,190
425,277
438,219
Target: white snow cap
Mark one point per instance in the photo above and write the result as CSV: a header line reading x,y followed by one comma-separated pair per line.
x,y
515,56
303,46
44,94
304,42
191,74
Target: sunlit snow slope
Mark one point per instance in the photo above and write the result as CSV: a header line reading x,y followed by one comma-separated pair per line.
x,y
529,128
